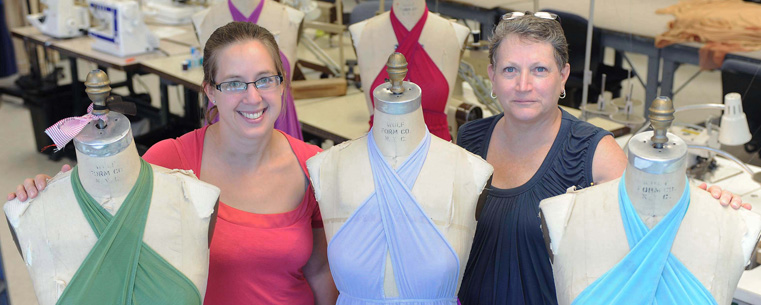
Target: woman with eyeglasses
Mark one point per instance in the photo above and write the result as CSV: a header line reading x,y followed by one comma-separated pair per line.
x,y
538,151
268,245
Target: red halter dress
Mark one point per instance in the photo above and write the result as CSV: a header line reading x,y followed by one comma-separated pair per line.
x,y
423,72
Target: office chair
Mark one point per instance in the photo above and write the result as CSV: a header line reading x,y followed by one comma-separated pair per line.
x,y
366,10
575,29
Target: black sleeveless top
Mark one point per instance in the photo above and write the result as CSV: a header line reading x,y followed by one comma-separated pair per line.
x,y
508,262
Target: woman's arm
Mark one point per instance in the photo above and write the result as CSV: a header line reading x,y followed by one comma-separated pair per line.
x,y
609,163
317,271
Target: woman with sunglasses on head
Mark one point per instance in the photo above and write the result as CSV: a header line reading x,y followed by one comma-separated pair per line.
x,y
268,245
538,151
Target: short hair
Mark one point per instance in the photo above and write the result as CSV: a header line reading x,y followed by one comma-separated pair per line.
x,y
535,29
238,32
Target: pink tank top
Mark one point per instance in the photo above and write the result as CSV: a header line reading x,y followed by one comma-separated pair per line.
x,y
254,258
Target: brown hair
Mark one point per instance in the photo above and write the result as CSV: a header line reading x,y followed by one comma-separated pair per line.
x,y
238,32
532,28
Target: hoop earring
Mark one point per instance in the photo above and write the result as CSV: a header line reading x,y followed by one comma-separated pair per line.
x,y
562,94
211,114
493,95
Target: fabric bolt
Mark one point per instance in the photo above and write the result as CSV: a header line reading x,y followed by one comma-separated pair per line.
x,y
723,25
253,258
508,263
120,268
287,121
649,273
390,222
423,72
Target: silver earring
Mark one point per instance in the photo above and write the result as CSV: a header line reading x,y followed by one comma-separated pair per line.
x,y
562,95
493,96
214,102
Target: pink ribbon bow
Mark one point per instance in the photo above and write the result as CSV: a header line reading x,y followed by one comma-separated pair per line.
x,y
63,131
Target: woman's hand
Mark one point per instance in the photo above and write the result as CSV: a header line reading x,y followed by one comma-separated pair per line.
x,y
725,197
32,186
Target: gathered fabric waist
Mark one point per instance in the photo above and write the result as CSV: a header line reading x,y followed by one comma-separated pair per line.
x,y
345,299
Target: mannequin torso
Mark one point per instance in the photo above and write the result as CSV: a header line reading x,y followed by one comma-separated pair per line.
x,y
283,21
587,235
446,188
584,251
55,237
374,40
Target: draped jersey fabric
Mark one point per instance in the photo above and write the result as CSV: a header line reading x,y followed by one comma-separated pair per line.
x,y
423,72
120,268
649,273
287,121
508,263
391,222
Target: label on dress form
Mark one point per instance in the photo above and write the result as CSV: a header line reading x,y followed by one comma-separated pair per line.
x,y
108,173
395,132
406,8
652,190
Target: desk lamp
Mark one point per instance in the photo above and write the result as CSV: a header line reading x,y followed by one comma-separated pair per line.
x,y
733,130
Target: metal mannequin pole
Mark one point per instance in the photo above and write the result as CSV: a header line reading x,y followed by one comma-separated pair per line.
x,y
587,58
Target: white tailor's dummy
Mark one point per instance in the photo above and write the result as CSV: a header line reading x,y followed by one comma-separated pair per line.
x,y
283,21
374,39
446,190
586,232
55,236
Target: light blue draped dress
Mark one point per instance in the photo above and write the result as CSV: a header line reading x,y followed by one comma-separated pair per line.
x,y
390,222
649,274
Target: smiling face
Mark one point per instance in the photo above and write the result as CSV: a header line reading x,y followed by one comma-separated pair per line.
x,y
526,79
251,113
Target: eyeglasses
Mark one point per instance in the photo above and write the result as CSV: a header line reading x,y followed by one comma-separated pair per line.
x,y
543,15
262,84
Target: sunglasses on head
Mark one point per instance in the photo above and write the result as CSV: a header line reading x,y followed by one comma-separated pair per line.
x,y
543,15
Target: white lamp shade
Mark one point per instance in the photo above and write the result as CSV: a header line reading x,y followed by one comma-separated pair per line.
x,y
734,126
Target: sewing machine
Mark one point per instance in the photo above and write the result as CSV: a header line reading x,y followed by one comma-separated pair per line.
x,y
61,19
169,12
121,29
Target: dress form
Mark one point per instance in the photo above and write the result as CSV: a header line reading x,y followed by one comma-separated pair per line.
x,y
55,237
586,234
374,39
283,21
446,188
400,116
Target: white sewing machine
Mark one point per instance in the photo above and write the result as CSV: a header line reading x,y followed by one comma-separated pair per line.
x,y
122,31
61,19
169,12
